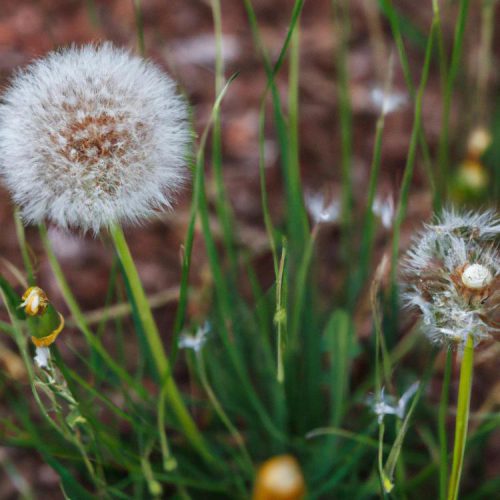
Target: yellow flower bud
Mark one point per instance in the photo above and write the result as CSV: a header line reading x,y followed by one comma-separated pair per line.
x,y
472,175
35,301
279,478
479,141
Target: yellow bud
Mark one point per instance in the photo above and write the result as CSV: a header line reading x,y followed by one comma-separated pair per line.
x,y
35,301
479,142
472,175
279,478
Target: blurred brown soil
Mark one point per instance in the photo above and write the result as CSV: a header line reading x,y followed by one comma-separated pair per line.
x,y
179,37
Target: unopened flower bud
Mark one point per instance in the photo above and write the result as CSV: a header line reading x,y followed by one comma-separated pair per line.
x,y
479,142
279,478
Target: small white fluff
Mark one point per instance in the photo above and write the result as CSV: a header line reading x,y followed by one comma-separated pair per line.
x,y
91,136
321,211
452,274
384,209
388,102
42,357
383,405
196,341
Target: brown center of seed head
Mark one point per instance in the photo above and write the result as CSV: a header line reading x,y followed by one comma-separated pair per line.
x,y
99,145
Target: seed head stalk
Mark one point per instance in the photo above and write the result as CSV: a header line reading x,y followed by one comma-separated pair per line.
x,y
462,419
155,344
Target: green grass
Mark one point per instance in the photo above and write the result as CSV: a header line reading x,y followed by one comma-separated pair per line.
x,y
283,369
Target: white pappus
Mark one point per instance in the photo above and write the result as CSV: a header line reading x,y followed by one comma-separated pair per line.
x,y
91,136
452,274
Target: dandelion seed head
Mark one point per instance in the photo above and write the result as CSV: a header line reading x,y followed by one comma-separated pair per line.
x,y
452,275
90,136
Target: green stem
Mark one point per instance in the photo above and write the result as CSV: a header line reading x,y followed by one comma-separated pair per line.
x,y
21,238
405,65
409,167
443,413
139,26
443,146
280,318
342,23
222,414
155,343
222,203
462,419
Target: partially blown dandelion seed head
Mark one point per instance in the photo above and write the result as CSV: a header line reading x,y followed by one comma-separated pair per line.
x,y
92,135
452,275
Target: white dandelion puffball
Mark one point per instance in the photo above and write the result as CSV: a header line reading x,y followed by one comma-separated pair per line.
x,y
91,136
452,275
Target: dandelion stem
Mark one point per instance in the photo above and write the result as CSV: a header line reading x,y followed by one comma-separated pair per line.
x,y
342,24
462,419
155,343
280,318
443,412
139,26
21,238
443,147
79,317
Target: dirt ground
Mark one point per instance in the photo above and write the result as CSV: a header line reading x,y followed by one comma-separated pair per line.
x,y
179,37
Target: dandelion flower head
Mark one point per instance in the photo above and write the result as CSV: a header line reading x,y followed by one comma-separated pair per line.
x,y
452,274
91,136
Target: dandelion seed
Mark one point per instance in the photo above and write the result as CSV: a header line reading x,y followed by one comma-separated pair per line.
x,y
92,136
321,211
196,341
452,275
388,102
42,357
384,209
475,225
383,404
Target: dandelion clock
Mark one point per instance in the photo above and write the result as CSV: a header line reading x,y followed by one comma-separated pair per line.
x,y
452,275
92,136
